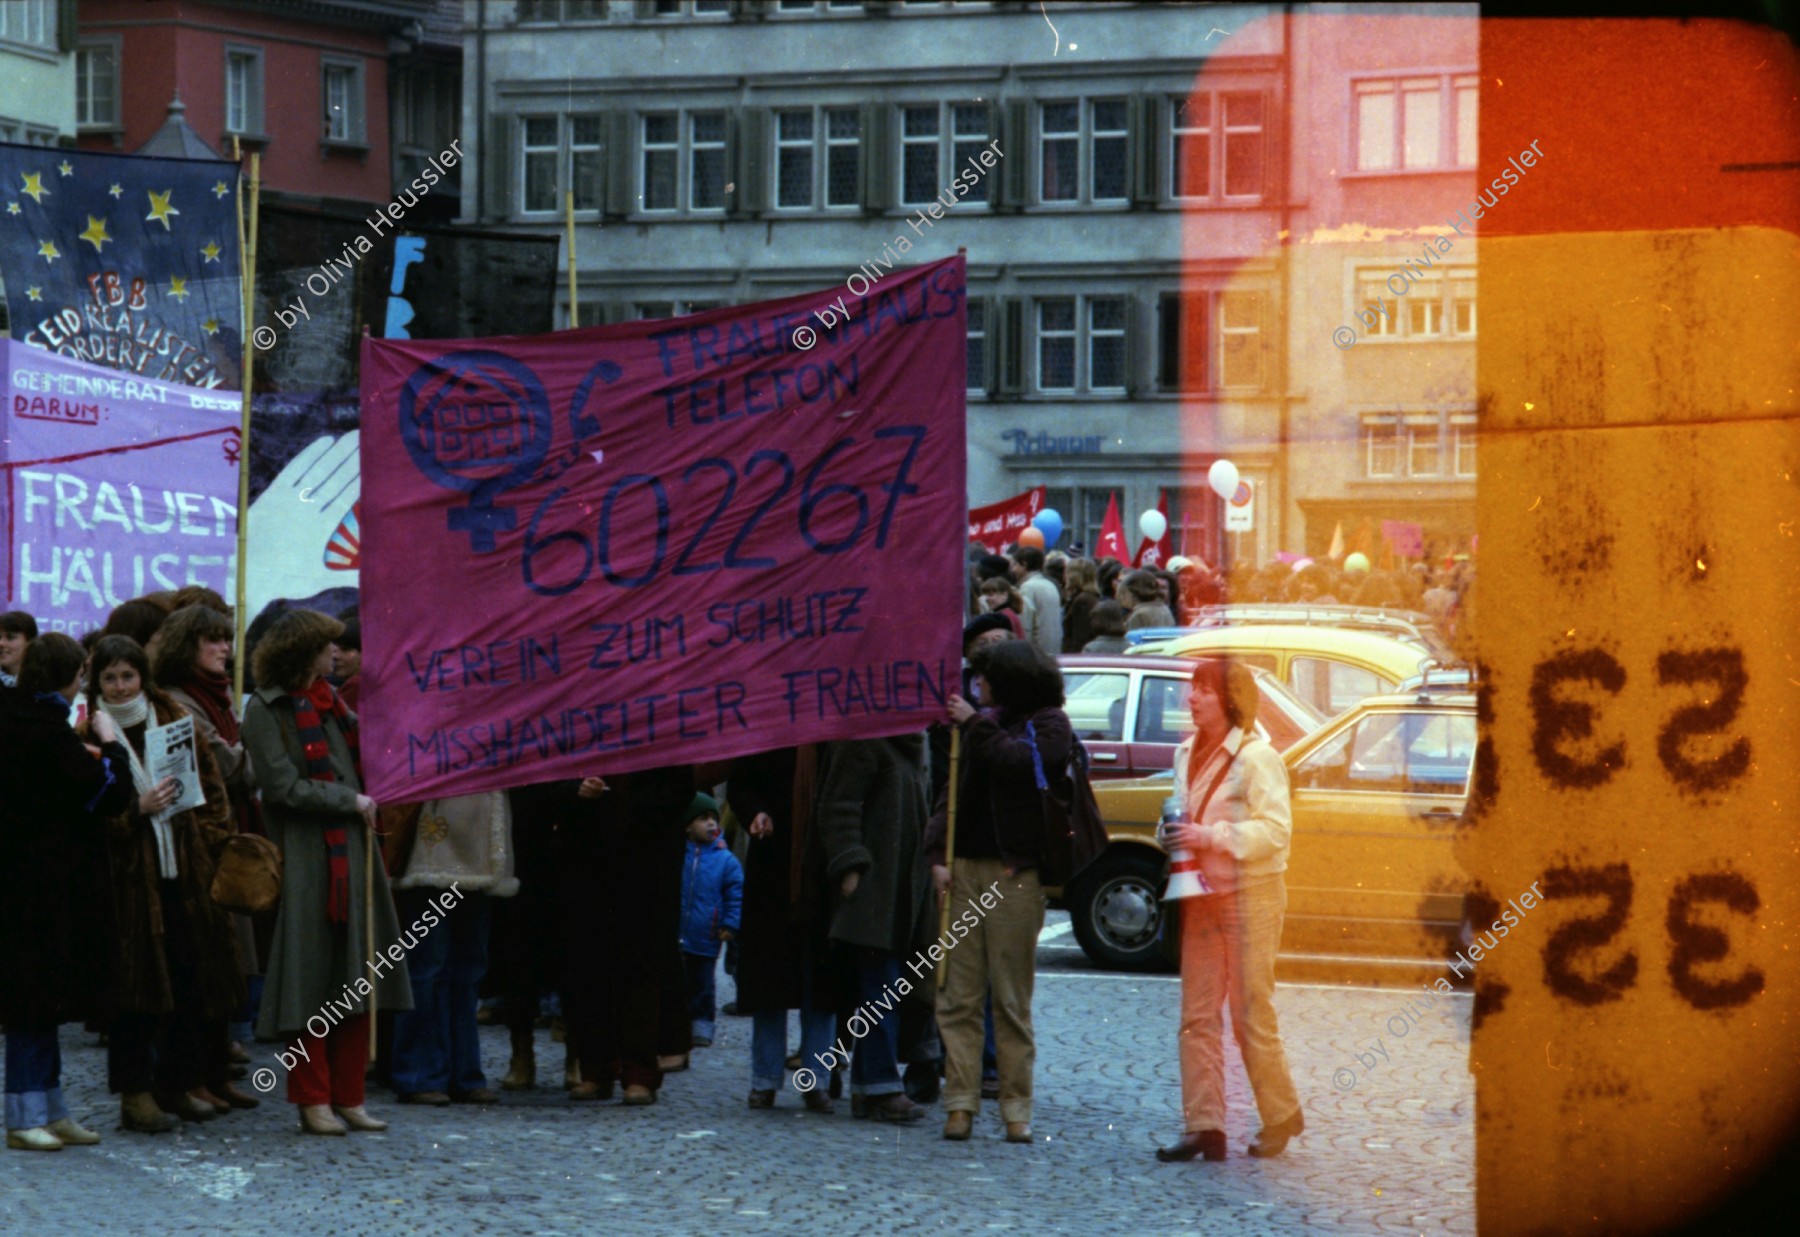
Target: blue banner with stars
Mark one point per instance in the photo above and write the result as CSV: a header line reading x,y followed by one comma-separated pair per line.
x,y
124,261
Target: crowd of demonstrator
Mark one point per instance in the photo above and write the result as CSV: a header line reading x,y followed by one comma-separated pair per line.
x,y
606,898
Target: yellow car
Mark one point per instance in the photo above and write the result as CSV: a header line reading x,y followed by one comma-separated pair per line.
x,y
1330,668
1377,793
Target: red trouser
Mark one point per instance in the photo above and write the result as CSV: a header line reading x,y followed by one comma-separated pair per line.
x,y
332,1070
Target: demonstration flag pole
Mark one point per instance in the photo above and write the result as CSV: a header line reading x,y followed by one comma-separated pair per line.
x,y
569,229
950,818
246,255
369,930
950,846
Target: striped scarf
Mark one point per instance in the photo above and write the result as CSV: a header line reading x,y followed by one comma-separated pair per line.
x,y
318,766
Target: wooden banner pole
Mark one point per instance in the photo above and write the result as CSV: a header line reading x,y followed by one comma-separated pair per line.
x,y
247,255
950,846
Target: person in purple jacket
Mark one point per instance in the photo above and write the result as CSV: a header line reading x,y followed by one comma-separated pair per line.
x,y
712,908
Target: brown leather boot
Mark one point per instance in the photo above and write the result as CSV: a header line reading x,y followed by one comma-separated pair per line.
x,y
138,1113
521,1073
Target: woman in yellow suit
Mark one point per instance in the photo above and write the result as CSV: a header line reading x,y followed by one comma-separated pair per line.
x,y
1236,820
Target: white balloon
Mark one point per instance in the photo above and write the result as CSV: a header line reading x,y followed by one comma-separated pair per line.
x,y
1153,524
1223,478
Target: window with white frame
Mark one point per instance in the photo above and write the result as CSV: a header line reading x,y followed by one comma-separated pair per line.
x,y
560,154
538,167
818,158
1381,446
31,22
343,94
97,84
1216,145
546,11
1056,344
243,90
1106,343
1462,431
1415,123
1210,340
937,140
671,309
829,8
1082,145
651,9
683,161
977,349
1081,344
1240,339
1424,446
1418,444
1439,304
1462,302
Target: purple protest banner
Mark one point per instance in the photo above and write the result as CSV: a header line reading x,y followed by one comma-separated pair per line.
x,y
114,486
662,542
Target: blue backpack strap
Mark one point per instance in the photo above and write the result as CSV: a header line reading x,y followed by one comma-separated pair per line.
x,y
1037,757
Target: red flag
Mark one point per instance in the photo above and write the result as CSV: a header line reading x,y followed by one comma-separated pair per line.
x,y
1156,553
1112,533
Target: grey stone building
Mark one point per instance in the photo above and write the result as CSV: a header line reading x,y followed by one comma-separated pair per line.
x,y
723,152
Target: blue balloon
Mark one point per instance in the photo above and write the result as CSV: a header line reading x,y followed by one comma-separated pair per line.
x,y
1049,523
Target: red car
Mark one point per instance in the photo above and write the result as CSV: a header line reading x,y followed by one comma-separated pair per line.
x,y
1132,711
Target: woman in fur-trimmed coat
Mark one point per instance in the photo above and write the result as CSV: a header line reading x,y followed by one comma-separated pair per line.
x,y
176,975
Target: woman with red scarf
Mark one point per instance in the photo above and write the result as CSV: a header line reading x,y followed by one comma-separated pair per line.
x,y
302,744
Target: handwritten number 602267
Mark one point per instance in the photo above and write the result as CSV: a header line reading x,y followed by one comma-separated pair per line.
x,y
815,494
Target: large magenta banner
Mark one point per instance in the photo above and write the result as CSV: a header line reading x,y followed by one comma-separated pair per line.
x,y
663,541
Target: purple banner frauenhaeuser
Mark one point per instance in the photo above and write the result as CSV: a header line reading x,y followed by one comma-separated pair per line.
x,y
114,486
662,542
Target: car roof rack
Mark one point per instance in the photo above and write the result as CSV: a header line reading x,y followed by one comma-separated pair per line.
x,y
1411,624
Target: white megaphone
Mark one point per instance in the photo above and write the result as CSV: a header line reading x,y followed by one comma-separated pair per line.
x,y
1186,880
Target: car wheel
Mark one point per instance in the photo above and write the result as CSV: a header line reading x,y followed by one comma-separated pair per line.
x,y
1118,913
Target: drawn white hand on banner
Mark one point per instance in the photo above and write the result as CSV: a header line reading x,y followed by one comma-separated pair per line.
x,y
294,520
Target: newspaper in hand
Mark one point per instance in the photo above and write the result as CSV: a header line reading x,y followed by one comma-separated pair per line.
x,y
169,752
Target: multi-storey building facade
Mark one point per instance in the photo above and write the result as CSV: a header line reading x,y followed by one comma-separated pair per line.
x,y
1130,259
303,81
1385,158
37,72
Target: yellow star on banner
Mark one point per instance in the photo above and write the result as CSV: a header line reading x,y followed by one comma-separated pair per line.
x,y
178,287
48,252
96,234
219,189
12,208
66,168
34,185
36,294
210,326
211,251
118,191
160,210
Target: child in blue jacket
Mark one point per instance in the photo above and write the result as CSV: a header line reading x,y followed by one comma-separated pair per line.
x,y
712,907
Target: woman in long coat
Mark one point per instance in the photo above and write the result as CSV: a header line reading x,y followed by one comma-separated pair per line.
x,y
771,793
56,917
177,970
302,744
865,884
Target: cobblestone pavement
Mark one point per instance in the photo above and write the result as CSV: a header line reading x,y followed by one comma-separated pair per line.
x,y
1392,1153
